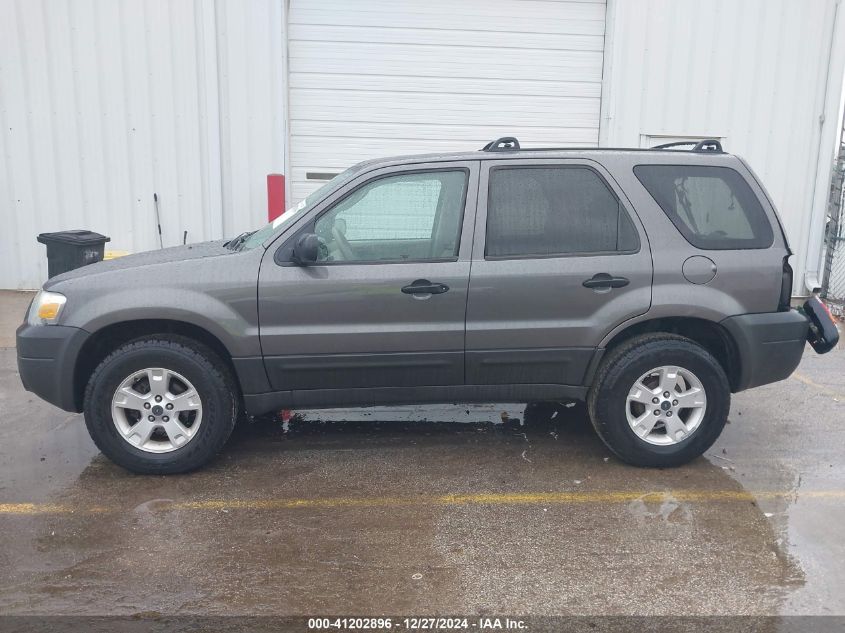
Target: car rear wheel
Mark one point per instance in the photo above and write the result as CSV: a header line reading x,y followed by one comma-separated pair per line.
x,y
659,400
161,405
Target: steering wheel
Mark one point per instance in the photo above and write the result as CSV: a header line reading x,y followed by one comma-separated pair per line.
x,y
342,244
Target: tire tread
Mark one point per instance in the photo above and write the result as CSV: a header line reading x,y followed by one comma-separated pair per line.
x,y
622,357
197,454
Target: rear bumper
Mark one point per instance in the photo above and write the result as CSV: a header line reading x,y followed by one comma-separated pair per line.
x,y
46,360
770,345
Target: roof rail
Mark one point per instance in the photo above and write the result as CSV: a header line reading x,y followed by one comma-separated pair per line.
x,y
504,144
511,144
704,145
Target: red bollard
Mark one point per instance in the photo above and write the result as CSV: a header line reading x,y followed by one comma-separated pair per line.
x,y
275,196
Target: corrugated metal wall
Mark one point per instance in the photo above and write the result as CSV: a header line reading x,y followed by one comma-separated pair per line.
x,y
104,102
752,72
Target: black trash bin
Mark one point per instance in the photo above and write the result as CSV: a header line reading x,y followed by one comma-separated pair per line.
x,y
67,250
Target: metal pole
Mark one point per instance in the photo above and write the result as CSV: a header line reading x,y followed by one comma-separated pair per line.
x,y
158,220
835,210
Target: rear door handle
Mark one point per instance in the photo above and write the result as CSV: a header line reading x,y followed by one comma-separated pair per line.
x,y
603,280
425,287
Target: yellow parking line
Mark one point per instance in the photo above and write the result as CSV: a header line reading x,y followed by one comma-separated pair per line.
x,y
825,390
515,498
49,508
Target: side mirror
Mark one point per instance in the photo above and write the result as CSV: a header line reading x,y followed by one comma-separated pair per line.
x,y
307,250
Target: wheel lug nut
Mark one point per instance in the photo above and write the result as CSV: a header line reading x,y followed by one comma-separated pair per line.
x,y
165,419
170,405
657,412
147,405
158,398
151,418
668,414
655,400
665,394
674,403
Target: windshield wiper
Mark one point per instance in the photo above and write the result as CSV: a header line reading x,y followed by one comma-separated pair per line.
x,y
235,242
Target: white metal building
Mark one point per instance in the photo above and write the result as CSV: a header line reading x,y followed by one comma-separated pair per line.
x,y
104,103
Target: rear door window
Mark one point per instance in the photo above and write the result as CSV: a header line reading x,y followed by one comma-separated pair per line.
x,y
554,211
712,207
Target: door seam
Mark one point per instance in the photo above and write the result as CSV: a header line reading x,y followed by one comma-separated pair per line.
x,y
471,254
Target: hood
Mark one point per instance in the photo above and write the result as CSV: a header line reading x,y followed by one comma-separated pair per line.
x,y
147,258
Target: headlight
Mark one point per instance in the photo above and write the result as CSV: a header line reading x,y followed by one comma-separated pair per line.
x,y
46,308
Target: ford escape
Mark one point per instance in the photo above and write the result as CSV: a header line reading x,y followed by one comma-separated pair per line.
x,y
650,283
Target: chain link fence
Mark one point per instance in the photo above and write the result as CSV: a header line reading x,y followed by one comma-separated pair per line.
x,y
833,278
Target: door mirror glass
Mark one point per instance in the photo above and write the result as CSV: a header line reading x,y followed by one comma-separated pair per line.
x,y
307,249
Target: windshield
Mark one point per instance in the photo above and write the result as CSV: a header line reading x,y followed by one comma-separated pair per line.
x,y
260,236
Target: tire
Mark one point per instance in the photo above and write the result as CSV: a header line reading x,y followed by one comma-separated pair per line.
x,y
186,367
609,405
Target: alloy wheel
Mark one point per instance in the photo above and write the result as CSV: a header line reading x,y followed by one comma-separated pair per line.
x,y
156,410
666,405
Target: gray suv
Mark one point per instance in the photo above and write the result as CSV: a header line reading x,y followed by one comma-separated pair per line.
x,y
650,283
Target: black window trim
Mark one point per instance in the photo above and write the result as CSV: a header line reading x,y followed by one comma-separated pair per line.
x,y
569,165
681,231
282,255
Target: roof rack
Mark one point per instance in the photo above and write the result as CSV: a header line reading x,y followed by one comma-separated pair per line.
x,y
504,144
704,145
511,144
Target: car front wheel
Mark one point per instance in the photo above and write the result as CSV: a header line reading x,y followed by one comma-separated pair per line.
x,y
161,405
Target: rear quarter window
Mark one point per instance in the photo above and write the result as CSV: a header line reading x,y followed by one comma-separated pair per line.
x,y
712,207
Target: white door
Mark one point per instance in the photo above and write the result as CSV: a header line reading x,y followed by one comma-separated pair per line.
x,y
379,77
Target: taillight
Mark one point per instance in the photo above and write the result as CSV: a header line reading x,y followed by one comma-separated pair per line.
x,y
827,309
785,286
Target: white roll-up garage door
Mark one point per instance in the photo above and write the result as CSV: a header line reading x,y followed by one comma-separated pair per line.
x,y
378,77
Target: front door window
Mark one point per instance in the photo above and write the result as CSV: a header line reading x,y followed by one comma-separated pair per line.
x,y
406,217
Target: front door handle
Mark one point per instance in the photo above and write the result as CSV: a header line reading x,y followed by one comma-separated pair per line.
x,y
601,281
425,287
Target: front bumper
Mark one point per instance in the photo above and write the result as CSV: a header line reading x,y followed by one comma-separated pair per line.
x,y
770,345
46,360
